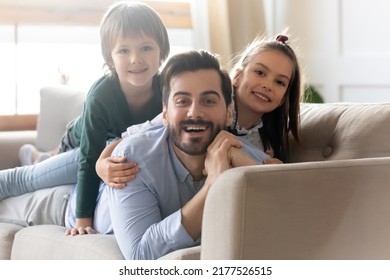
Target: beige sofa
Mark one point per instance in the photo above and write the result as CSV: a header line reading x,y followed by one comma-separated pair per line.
x,y
331,203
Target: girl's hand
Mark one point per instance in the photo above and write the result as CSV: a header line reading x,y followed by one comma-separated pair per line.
x,y
271,160
115,171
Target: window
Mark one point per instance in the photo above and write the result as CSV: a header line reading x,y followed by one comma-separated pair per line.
x,y
46,56
37,54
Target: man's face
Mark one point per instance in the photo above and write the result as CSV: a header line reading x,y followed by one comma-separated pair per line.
x,y
196,111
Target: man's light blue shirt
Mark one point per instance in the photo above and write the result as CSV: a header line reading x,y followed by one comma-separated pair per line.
x,y
146,214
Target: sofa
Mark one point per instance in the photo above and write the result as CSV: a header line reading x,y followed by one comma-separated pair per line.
x,y
330,202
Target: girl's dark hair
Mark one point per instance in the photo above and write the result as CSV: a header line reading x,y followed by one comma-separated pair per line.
x,y
134,18
284,120
193,61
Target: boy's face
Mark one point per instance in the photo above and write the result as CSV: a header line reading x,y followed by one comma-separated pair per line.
x,y
196,111
136,60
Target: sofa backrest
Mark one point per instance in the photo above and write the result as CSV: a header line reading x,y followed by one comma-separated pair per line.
x,y
329,131
59,105
334,131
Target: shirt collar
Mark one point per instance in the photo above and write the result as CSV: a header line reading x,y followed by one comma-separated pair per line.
x,y
241,130
181,172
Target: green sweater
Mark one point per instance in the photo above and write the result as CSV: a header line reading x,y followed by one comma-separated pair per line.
x,y
105,116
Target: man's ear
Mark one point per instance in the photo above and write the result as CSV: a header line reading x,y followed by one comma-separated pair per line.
x,y
229,115
165,116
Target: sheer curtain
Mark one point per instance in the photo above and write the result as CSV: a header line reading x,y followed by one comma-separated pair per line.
x,y
233,24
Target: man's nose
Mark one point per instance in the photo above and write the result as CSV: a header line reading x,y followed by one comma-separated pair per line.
x,y
195,111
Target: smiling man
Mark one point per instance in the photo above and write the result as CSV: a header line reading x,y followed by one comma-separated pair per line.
x,y
161,210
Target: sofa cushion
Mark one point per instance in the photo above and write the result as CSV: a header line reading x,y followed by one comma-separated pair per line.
x,y
50,242
334,131
59,105
192,253
7,234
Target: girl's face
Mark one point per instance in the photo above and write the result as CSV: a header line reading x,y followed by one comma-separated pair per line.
x,y
136,60
261,85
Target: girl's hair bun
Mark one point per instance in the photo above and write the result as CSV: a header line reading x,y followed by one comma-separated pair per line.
x,y
282,38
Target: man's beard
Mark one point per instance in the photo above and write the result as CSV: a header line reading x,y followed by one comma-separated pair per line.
x,y
192,148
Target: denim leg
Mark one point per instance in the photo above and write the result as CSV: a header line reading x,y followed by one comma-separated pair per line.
x,y
57,170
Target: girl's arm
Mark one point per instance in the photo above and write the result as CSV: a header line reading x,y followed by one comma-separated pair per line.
x,y
115,171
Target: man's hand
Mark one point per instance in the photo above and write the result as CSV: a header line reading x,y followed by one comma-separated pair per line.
x,y
115,171
83,226
219,157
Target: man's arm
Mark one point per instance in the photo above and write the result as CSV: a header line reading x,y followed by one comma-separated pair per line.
x,y
224,152
139,228
144,229
219,158
141,231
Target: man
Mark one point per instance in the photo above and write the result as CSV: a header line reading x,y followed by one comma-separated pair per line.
x,y
160,211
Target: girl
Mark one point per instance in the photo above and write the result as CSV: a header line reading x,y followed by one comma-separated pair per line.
x,y
266,81
134,44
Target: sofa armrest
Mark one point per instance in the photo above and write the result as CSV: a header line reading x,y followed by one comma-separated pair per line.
x,y
317,210
10,142
58,106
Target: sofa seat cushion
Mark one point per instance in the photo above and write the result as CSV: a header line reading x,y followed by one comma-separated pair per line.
x,y
50,242
192,253
334,131
7,234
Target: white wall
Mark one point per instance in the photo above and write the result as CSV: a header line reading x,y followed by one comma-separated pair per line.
x,y
344,45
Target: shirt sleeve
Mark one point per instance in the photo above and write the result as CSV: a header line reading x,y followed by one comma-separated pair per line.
x,y
254,153
140,231
131,130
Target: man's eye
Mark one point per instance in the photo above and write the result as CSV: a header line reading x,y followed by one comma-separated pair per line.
x,y
210,101
181,102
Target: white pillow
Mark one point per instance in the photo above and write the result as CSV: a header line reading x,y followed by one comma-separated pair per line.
x,y
59,105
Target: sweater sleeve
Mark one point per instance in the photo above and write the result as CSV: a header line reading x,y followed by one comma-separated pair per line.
x,y
92,142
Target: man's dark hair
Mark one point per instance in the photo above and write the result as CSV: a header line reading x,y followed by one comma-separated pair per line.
x,y
194,61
